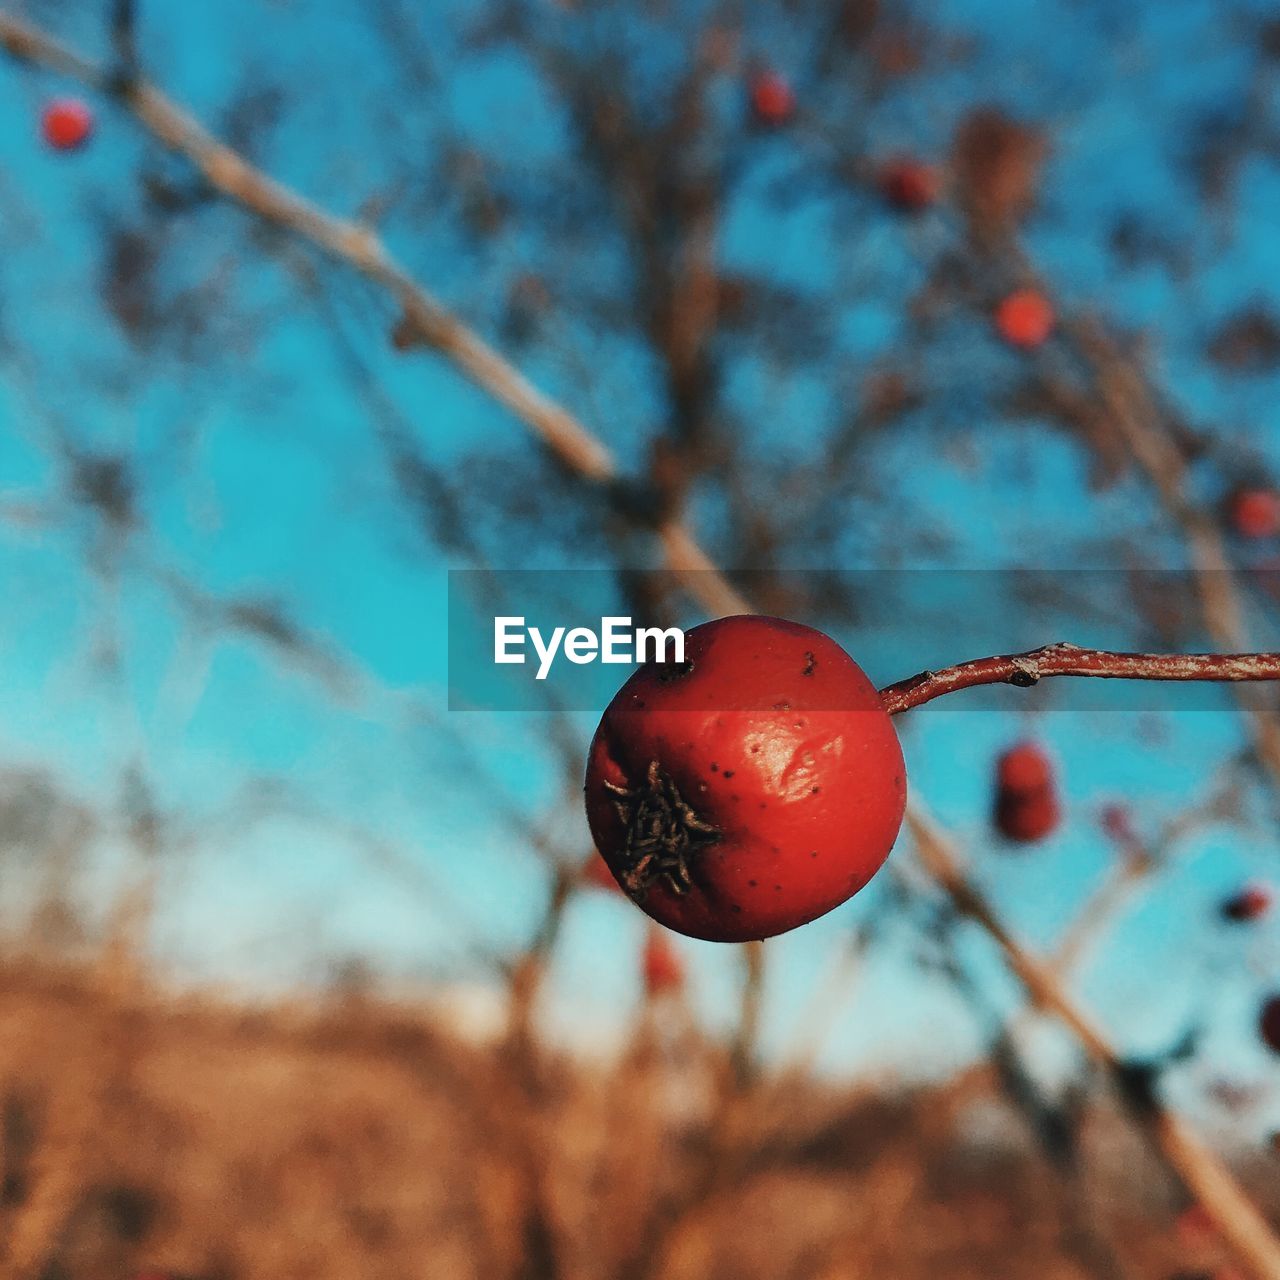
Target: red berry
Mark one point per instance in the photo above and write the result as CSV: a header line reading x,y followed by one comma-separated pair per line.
x,y
773,101
66,124
596,874
1255,513
1194,1226
662,967
1026,801
909,185
1027,817
1269,1023
1025,318
1251,903
1023,767
750,789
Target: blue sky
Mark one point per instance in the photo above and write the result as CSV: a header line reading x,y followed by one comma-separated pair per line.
x,y
259,482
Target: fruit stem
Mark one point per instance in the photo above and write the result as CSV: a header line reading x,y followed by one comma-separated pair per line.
x,y
1064,659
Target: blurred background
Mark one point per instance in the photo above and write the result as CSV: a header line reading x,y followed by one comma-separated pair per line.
x,y
950,329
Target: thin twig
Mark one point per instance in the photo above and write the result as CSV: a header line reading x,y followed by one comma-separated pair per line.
x,y
1199,1169
425,320
1144,429
1138,861
357,245
124,36
1064,659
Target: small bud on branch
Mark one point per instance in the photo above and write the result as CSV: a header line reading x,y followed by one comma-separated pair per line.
x,y
1063,659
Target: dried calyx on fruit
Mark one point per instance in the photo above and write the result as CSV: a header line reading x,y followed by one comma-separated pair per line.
x,y
1026,805
749,790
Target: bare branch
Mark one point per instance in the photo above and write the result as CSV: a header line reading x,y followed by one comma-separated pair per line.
x,y
424,320
1198,1168
124,36
1064,659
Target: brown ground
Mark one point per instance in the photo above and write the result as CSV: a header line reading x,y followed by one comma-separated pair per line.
x,y
357,1139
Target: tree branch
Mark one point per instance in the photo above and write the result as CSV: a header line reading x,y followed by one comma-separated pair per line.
x,y
1064,659
1198,1168
425,320
124,36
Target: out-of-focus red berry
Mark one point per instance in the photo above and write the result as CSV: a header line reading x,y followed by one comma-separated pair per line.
x,y
910,185
1026,800
596,874
1194,1227
1254,512
662,966
1250,903
773,101
1269,1023
1028,817
1025,318
67,124
1025,766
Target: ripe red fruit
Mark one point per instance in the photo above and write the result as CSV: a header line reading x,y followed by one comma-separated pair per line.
x,y
1025,819
1269,1023
909,185
751,788
1254,513
1025,318
773,101
66,124
1024,767
1026,799
1250,903
661,965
